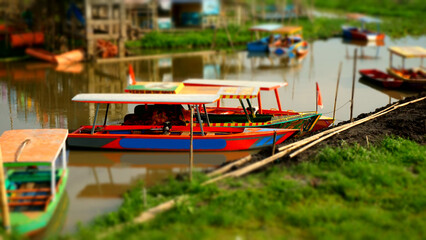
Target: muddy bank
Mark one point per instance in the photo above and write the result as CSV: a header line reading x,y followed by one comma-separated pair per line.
x,y
407,122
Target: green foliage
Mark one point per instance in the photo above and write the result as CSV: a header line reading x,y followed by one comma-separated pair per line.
x,y
394,8
347,192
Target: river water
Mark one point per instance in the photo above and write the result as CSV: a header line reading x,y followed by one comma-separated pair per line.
x,y
38,95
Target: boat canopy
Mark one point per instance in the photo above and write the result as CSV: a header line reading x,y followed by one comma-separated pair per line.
x,y
362,18
264,86
276,28
146,98
236,92
155,87
409,52
33,146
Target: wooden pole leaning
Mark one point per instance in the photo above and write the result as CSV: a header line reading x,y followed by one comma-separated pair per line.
x,y
353,84
3,193
337,90
191,144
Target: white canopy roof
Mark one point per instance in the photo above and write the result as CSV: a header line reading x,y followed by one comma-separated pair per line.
x,y
34,145
235,83
146,98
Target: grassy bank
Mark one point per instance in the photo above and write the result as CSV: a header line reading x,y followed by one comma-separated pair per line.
x,y
240,35
348,192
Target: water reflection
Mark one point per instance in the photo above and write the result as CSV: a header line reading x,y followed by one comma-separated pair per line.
x,y
98,179
38,95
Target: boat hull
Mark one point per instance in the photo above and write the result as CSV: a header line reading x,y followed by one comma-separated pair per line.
x,y
363,35
220,141
380,78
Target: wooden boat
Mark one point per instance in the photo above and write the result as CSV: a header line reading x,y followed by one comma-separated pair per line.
x,y
350,32
76,55
239,117
305,121
414,78
283,40
380,78
35,191
166,130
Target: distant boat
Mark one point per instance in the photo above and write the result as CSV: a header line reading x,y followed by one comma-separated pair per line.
x,y
413,78
69,57
283,40
381,78
356,33
35,185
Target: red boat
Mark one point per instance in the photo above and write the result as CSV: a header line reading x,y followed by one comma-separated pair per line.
x,y
168,131
380,78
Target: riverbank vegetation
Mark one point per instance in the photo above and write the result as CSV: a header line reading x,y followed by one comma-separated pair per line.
x,y
350,192
397,22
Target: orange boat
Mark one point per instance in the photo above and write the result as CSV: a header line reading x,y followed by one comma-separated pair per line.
x,y
72,56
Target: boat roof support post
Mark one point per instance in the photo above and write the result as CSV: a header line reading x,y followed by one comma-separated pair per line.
x,y
251,108
259,102
64,159
191,143
403,62
199,120
106,115
245,110
94,120
52,180
278,99
390,59
207,115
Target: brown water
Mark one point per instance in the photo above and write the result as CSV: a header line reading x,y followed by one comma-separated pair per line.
x,y
38,95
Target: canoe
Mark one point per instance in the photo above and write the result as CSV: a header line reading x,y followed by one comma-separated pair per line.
x,y
167,132
277,117
380,78
34,186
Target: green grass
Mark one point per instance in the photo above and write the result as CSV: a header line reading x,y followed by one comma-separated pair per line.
x,y
393,8
349,192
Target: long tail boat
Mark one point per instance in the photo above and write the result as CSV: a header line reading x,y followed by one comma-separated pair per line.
x,y
164,130
305,121
239,117
414,78
34,184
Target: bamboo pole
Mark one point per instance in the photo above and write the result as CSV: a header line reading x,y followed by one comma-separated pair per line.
x,y
352,124
4,203
229,166
337,90
191,144
353,84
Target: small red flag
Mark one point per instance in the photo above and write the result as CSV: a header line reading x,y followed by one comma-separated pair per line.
x,y
131,78
319,98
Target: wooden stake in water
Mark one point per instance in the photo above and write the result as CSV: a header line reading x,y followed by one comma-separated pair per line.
x,y
4,203
353,85
191,144
337,90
